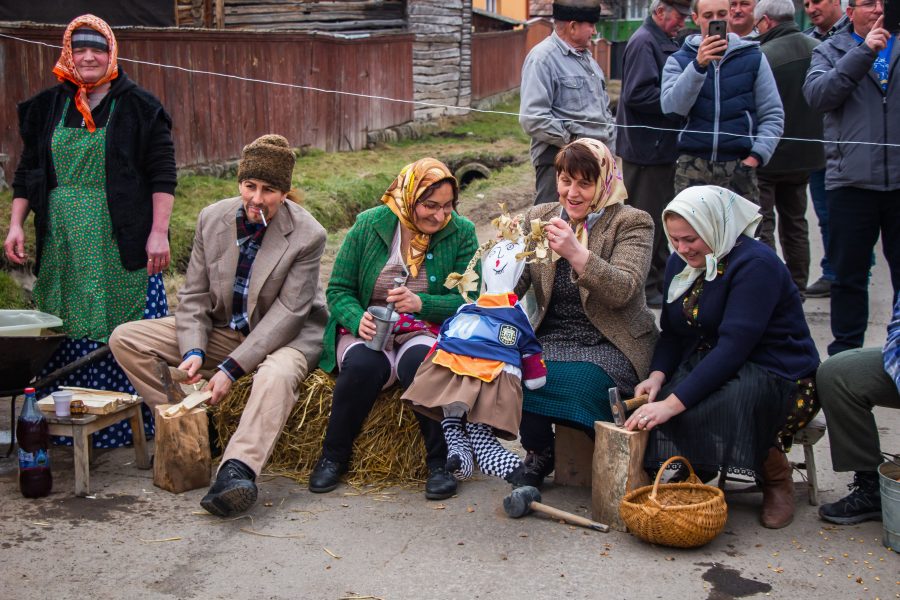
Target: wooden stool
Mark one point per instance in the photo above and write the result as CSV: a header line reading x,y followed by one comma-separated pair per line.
x,y
80,430
808,437
574,456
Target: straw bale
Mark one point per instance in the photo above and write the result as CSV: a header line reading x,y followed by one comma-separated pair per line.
x,y
389,451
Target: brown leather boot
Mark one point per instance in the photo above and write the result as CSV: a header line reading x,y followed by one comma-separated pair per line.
x,y
778,491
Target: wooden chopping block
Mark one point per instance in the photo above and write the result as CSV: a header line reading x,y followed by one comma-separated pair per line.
x,y
182,461
618,468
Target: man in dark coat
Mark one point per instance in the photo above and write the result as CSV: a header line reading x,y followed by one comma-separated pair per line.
x,y
783,180
648,155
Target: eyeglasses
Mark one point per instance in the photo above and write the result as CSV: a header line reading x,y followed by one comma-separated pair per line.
x,y
869,5
434,207
756,25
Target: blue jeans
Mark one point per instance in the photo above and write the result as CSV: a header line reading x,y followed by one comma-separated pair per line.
x,y
820,205
857,218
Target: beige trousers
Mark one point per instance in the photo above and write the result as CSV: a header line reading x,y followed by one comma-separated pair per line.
x,y
138,345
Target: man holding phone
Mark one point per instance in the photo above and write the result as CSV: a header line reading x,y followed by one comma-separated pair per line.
x,y
725,88
853,79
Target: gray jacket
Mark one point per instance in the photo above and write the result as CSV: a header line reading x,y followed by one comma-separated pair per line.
x,y
563,97
681,88
840,82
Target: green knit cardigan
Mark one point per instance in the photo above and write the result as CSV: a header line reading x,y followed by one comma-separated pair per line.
x,y
362,257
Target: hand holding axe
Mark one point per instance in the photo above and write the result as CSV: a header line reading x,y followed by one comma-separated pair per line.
x,y
620,408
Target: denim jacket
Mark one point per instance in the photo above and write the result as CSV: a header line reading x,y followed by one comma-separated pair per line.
x,y
563,97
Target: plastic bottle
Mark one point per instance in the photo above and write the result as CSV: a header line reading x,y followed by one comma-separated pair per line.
x,y
33,435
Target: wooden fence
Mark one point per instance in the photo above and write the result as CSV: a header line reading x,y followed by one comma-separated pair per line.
x,y
497,59
215,116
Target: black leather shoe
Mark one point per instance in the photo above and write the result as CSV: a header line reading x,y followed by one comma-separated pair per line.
x,y
535,467
440,484
326,475
821,288
233,491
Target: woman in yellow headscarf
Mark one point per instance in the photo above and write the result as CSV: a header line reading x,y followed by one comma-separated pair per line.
x,y
415,235
592,317
98,172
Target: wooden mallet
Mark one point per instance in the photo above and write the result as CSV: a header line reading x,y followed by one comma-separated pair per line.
x,y
525,499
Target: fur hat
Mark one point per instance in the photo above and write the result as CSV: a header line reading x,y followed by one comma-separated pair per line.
x,y
268,158
576,10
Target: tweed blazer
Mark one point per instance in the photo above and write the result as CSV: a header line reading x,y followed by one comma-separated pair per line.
x,y
362,256
612,285
285,305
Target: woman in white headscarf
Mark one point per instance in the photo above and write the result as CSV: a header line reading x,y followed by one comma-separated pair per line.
x,y
592,317
732,377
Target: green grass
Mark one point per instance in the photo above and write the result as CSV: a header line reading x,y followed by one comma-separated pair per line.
x,y
337,186
11,295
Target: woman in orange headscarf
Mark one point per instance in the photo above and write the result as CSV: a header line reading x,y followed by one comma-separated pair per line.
x,y
592,317
415,235
98,171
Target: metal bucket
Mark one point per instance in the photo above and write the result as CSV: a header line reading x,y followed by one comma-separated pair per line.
x,y
888,474
385,320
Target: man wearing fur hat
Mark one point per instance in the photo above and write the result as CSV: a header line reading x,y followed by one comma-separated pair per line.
x,y
251,300
563,94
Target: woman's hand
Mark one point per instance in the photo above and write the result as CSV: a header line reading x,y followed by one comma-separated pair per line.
x,y
404,300
219,384
367,326
651,385
563,241
157,252
655,413
191,365
15,245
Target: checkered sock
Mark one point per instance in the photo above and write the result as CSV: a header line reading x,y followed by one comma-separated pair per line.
x,y
459,449
492,457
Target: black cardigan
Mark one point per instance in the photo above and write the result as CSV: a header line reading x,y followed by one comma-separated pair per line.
x,y
140,160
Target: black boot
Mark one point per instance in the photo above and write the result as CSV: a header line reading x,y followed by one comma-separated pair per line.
x,y
326,475
863,503
233,490
535,468
441,484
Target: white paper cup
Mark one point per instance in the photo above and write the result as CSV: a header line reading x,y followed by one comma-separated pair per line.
x,y
61,401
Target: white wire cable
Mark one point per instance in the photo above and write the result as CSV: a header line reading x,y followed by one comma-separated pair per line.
x,y
451,107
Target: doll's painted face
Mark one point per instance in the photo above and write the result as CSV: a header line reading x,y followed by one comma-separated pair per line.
x,y
500,270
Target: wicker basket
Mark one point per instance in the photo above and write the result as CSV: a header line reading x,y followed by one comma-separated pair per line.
x,y
683,515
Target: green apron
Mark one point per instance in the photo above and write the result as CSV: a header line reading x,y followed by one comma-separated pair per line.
x,y
82,280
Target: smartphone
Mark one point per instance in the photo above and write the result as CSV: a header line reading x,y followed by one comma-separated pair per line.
x,y
892,15
719,28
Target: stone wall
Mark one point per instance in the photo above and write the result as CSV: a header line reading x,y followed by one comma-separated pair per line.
x,y
442,55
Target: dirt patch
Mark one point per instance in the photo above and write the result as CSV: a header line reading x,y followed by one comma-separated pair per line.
x,y
99,509
728,583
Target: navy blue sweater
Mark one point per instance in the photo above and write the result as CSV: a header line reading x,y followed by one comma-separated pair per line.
x,y
750,313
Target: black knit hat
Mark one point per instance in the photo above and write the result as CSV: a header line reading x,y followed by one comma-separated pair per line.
x,y
576,10
268,158
85,37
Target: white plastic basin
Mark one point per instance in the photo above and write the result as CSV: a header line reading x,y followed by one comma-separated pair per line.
x,y
24,323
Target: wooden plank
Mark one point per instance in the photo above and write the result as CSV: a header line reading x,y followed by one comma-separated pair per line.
x,y
574,457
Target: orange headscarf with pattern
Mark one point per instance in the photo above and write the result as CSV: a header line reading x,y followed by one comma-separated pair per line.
x,y
402,195
65,67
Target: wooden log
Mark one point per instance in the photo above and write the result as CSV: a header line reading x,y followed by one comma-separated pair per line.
x,y
618,468
574,457
182,461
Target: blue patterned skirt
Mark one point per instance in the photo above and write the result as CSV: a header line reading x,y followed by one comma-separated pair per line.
x,y
577,392
105,374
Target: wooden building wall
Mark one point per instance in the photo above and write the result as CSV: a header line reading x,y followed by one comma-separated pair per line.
x,y
214,116
497,59
442,55
346,16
